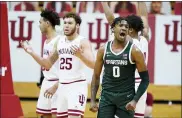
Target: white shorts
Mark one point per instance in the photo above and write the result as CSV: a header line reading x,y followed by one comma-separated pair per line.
x,y
44,105
72,99
140,106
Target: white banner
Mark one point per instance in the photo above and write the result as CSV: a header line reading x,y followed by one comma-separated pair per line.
x,y
168,50
24,26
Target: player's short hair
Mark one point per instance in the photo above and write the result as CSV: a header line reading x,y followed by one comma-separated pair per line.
x,y
135,22
77,18
117,20
51,16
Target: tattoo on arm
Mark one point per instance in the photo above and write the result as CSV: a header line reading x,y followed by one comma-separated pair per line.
x,y
53,57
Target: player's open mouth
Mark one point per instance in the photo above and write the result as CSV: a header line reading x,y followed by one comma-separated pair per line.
x,y
122,34
66,30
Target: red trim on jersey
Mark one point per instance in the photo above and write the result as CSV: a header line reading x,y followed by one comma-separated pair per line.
x,y
43,113
139,114
46,110
66,116
54,110
60,113
137,78
72,82
73,110
74,114
53,80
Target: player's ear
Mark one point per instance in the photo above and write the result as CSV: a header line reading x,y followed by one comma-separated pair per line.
x,y
77,26
112,30
130,30
48,23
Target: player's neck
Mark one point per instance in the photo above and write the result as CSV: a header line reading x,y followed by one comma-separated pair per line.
x,y
119,43
72,37
50,34
135,36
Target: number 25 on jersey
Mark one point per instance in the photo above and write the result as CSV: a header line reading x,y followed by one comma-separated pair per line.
x,y
65,63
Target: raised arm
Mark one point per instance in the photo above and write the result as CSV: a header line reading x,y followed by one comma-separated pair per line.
x,y
46,63
108,13
87,55
142,12
138,58
96,78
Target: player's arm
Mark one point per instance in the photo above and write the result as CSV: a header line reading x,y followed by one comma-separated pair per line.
x,y
47,63
87,55
108,13
138,58
96,75
142,12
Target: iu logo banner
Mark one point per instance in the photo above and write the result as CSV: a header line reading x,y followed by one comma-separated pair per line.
x,y
21,30
175,41
24,26
98,39
168,50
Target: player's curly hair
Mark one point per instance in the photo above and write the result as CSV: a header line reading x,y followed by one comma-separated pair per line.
x,y
51,16
117,20
135,22
74,16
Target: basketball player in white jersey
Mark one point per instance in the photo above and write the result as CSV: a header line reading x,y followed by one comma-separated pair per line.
x,y
137,24
72,51
47,107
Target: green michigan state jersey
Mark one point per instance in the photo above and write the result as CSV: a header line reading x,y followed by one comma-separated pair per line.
x,y
119,70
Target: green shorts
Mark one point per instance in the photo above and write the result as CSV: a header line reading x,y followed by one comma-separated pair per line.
x,y
112,104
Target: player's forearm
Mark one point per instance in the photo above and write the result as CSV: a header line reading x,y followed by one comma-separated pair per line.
x,y
146,27
94,87
143,85
142,9
41,61
143,13
108,13
56,85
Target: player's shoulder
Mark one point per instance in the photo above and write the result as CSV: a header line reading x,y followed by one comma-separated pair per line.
x,y
136,42
143,39
61,37
135,49
81,37
104,46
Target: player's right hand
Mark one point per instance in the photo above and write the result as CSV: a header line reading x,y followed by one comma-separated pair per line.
x,y
26,46
50,92
94,107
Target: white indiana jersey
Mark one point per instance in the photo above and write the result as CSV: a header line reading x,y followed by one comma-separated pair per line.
x,y
142,44
70,66
50,74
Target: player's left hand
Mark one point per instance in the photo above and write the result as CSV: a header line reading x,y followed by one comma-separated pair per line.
x,y
50,92
76,50
131,105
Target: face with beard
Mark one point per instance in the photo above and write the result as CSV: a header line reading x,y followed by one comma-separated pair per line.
x,y
70,26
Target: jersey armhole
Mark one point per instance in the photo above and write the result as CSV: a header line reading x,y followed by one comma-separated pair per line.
x,y
105,50
130,54
56,43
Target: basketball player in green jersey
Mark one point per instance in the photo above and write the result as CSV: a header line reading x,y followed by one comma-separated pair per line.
x,y
120,58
